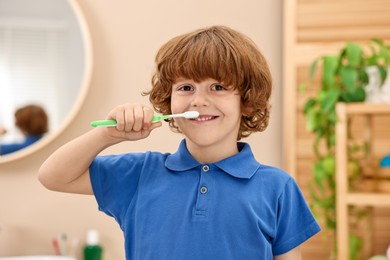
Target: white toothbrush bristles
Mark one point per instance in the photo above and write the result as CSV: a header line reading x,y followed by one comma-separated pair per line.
x,y
191,114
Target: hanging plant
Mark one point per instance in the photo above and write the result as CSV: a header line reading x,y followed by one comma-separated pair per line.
x,y
343,79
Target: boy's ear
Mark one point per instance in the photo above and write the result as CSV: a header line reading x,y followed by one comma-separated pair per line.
x,y
246,110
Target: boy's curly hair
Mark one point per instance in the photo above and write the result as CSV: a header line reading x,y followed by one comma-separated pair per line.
x,y
31,120
220,53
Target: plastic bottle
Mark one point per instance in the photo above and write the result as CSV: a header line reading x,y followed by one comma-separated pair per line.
x,y
92,249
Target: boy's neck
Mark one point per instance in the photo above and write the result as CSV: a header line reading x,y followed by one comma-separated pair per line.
x,y
211,154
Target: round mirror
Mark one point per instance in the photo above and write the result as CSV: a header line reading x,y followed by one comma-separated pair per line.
x,y
45,61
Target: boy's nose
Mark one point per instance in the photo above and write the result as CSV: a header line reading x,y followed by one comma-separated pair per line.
x,y
200,99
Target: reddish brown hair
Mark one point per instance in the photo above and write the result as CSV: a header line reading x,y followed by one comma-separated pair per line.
x,y
31,120
220,53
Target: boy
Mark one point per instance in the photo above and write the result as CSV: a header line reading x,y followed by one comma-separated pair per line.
x,y
211,199
32,121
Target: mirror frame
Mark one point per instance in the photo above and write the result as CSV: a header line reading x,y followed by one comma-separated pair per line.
x,y
84,88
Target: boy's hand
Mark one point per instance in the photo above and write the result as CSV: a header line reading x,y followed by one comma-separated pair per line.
x,y
2,131
67,169
134,122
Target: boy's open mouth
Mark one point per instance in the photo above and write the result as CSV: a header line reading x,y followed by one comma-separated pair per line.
x,y
205,118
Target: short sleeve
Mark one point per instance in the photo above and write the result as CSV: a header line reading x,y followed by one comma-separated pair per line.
x,y
295,222
114,180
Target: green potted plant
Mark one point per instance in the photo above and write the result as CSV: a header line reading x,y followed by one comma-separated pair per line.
x,y
343,79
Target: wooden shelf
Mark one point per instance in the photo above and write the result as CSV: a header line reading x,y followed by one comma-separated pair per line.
x,y
368,199
366,109
345,198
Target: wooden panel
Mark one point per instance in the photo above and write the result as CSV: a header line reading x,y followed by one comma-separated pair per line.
x,y
346,20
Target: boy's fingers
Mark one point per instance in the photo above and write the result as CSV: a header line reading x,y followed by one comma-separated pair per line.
x,y
120,119
128,119
146,132
148,117
138,113
134,120
156,125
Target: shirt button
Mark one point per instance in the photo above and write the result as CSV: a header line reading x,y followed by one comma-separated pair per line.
x,y
203,190
205,168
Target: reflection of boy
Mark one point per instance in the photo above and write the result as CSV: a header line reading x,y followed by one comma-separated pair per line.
x,y
211,199
32,121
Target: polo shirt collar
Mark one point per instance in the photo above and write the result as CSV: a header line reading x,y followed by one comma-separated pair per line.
x,y
241,165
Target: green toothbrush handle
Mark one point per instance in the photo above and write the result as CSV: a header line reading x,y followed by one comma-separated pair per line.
x,y
157,118
103,123
111,122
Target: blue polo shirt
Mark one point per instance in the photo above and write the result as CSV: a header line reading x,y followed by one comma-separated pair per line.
x,y
170,206
13,147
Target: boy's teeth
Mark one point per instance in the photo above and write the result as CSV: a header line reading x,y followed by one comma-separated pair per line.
x,y
204,118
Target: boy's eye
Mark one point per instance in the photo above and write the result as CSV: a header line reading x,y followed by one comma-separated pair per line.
x,y
185,88
218,87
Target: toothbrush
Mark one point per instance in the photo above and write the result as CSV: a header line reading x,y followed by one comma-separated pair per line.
x,y
156,118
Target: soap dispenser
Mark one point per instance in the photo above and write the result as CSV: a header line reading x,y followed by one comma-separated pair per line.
x,y
92,249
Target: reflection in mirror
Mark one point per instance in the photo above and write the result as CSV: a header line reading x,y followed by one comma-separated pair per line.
x,y
43,61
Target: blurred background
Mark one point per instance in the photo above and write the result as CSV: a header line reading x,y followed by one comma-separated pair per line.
x,y
116,44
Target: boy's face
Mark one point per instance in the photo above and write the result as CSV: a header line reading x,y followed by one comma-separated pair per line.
x,y
220,112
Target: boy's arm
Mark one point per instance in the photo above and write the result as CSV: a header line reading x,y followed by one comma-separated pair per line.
x,y
293,254
67,169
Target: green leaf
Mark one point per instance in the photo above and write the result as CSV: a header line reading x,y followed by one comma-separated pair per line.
x,y
328,165
310,103
354,54
371,61
302,87
332,140
319,175
313,69
359,95
313,194
329,69
356,95
378,41
316,144
329,99
383,73
327,203
311,120
363,76
332,117
355,245
349,77
331,223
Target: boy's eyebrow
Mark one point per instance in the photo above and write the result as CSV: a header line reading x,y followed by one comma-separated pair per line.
x,y
181,81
